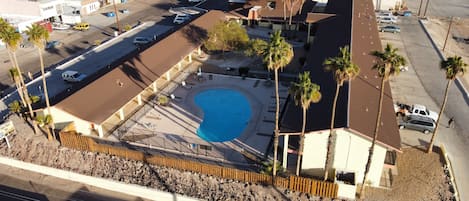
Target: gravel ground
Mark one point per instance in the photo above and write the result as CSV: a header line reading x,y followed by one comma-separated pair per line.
x,y
421,176
36,149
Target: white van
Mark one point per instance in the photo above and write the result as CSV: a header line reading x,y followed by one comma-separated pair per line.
x,y
73,76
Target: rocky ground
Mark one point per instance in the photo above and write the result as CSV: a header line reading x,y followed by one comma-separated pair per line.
x,y
421,176
36,149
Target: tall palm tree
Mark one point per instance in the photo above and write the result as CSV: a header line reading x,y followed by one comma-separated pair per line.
x,y
12,40
453,67
38,35
343,70
304,93
277,55
387,66
5,34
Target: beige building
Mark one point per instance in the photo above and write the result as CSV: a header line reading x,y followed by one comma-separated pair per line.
x,y
104,104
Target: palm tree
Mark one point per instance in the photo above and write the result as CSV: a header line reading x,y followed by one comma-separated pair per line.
x,y
277,55
38,35
304,93
387,66
45,121
5,33
14,75
12,40
453,67
343,70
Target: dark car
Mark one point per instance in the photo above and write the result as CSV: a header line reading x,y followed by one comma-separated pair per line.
x,y
390,29
53,44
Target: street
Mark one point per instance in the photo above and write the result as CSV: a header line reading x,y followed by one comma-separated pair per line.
x,y
23,185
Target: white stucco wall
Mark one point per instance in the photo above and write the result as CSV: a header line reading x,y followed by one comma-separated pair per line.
x,y
351,154
81,126
315,150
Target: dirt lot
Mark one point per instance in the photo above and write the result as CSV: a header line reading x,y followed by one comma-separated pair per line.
x,y
421,177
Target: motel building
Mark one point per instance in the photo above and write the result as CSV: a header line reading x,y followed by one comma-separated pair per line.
x,y
103,105
100,107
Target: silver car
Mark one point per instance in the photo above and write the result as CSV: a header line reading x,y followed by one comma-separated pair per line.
x,y
416,122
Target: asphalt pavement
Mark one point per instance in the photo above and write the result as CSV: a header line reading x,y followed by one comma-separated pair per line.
x,y
22,185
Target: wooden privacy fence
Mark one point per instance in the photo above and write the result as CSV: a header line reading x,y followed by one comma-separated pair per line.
x,y
314,187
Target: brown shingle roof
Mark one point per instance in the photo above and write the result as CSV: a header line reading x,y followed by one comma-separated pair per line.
x,y
357,104
277,13
100,99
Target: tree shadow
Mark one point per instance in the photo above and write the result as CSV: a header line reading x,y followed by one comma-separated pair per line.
x,y
194,34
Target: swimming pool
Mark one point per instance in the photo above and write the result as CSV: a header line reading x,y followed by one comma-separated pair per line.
x,y
226,114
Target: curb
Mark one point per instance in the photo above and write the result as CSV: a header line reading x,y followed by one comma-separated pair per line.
x,y
449,167
130,189
442,57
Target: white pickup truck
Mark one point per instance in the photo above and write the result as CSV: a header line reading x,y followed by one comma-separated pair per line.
x,y
415,109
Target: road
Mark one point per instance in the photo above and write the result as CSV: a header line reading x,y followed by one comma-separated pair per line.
x,y
21,185
438,8
425,84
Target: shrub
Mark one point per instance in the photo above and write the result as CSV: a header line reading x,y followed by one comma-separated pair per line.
x,y
163,100
127,27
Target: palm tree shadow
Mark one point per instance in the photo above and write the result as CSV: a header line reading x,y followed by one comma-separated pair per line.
x,y
194,34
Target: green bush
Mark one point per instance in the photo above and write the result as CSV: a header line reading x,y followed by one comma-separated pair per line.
x,y
163,100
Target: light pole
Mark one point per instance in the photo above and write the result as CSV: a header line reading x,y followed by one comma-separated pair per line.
x,y
117,17
426,6
420,8
447,33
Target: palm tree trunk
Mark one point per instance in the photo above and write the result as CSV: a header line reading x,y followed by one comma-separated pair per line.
x,y
291,14
302,143
18,85
375,137
432,141
301,6
46,94
331,132
276,132
25,93
284,11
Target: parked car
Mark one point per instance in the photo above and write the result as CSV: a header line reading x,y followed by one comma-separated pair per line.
x,y
125,11
110,14
386,14
60,26
180,18
53,44
73,76
386,20
407,13
82,26
402,109
390,29
142,40
417,122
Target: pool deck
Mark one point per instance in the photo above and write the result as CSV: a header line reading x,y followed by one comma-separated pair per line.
x,y
173,128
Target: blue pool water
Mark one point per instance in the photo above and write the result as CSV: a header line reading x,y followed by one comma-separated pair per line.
x,y
226,114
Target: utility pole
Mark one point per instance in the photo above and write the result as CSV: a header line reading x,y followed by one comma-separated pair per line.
x,y
447,33
426,6
117,17
420,8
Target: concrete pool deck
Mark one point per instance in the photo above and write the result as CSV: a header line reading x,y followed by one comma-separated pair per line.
x,y
173,128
